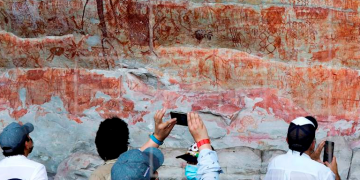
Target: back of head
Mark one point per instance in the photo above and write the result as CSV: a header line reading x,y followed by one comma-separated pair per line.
x,y
19,150
13,137
138,165
301,134
112,138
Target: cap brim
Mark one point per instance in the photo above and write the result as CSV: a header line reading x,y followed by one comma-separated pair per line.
x,y
188,158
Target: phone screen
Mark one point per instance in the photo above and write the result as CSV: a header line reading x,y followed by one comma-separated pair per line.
x,y
328,151
181,118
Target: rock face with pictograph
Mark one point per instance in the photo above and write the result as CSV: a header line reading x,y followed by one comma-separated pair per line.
x,y
248,67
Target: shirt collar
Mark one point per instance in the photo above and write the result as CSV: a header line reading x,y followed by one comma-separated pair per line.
x,y
16,157
297,153
113,161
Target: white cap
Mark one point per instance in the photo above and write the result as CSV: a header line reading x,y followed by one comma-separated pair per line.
x,y
300,121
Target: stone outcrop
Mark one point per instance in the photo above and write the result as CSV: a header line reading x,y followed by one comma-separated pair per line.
x,y
78,166
354,173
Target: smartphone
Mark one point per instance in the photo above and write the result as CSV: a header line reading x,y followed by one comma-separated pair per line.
x,y
181,118
328,151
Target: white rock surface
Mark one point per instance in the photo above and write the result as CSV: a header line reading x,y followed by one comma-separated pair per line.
x,y
355,166
343,154
267,156
240,160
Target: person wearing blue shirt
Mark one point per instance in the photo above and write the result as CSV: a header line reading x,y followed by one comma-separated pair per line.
x,y
208,167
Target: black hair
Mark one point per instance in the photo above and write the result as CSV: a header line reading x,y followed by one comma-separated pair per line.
x,y
20,150
112,138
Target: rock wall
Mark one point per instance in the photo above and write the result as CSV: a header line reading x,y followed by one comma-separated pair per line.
x,y
248,66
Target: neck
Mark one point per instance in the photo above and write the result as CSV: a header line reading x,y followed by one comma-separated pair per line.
x,y
26,153
308,152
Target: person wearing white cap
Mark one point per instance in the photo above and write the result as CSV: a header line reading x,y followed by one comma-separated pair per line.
x,y
17,145
301,162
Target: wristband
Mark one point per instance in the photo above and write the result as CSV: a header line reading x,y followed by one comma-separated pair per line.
x,y
202,142
153,138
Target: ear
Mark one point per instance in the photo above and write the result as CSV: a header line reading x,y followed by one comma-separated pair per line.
x,y
27,145
313,144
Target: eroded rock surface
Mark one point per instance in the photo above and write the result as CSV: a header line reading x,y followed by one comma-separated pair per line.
x,y
78,166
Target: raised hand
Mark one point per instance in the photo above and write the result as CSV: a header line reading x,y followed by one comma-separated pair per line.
x,y
162,129
196,127
316,154
333,167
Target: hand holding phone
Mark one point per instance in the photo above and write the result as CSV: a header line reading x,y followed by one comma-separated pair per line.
x,y
181,118
162,129
198,129
328,151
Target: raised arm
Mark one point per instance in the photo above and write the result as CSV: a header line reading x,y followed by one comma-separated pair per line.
x,y
334,168
162,130
208,164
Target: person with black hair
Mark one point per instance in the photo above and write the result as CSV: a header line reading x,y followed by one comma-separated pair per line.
x,y
141,164
17,144
301,162
112,140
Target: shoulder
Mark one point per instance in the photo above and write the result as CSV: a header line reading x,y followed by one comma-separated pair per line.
x,y
278,158
2,161
101,172
38,167
321,167
23,161
275,161
104,168
323,171
32,163
318,168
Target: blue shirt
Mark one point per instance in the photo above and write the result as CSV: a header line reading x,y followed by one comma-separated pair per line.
x,y
208,165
